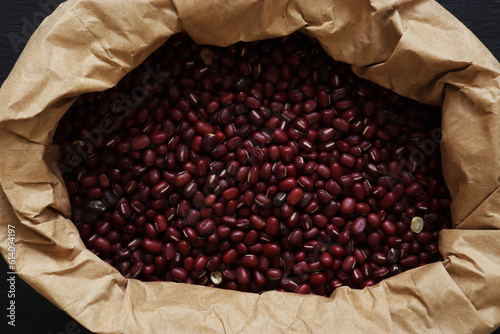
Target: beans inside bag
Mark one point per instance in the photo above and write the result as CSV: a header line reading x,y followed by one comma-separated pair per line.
x,y
416,49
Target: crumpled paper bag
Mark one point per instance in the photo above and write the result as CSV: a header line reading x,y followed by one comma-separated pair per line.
x,y
415,48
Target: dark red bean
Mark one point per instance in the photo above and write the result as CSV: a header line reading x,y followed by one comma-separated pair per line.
x,y
179,274
94,193
303,289
272,226
102,244
388,200
257,222
169,251
295,196
263,201
373,239
250,261
160,189
409,262
203,128
140,142
88,181
271,249
388,227
380,273
242,275
230,193
348,264
347,160
136,269
160,223
424,237
373,220
287,184
393,256
159,137
274,274
378,258
359,226
153,246
348,205
296,237
317,279
230,256
205,227
200,263
341,124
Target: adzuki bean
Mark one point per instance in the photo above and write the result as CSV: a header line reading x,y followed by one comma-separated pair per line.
x,y
259,166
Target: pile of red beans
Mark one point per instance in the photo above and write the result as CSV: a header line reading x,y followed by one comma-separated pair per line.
x,y
259,166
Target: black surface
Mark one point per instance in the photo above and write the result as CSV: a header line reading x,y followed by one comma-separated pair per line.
x,y
18,19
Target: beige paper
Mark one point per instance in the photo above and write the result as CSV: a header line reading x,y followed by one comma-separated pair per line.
x,y
413,47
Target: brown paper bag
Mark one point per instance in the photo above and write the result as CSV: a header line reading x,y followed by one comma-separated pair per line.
x,y
413,47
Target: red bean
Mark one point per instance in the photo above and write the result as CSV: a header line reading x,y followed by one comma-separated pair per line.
x,y
149,157
287,184
295,196
373,220
323,171
271,249
373,239
347,160
159,137
182,153
257,222
272,226
242,275
203,128
250,261
160,189
378,258
303,289
317,279
102,244
341,124
94,193
274,274
153,246
160,223
424,237
358,226
140,142
296,237
358,191
205,227
388,200
263,201
89,181
230,193
136,269
409,262
230,256
179,274
348,205
380,273
348,264
168,251
388,227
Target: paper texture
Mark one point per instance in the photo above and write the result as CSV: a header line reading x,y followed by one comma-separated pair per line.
x,y
413,47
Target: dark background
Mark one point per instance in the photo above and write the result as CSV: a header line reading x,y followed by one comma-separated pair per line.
x,y
18,19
